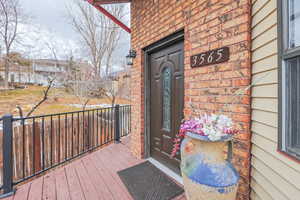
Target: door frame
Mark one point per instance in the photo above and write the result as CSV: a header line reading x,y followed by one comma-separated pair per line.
x,y
161,44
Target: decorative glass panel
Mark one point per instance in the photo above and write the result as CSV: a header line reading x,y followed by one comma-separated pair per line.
x,y
166,75
294,23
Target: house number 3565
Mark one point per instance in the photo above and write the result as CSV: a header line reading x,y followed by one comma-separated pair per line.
x,y
210,57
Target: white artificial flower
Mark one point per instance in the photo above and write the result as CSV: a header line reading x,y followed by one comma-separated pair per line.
x,y
224,120
214,126
214,117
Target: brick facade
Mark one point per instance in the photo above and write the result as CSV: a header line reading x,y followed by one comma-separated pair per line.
x,y
208,24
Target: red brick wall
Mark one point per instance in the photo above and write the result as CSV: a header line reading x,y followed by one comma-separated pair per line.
x,y
208,24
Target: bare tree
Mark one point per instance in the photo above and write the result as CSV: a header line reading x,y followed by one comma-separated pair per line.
x,y
53,46
10,17
113,40
45,97
81,84
99,35
53,51
110,90
81,90
114,86
38,104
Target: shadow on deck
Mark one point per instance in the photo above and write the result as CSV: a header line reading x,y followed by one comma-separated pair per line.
x,y
93,176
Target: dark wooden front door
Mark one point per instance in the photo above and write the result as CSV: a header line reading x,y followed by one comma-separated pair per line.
x,y
166,102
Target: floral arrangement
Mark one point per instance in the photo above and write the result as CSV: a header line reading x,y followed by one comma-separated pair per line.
x,y
214,127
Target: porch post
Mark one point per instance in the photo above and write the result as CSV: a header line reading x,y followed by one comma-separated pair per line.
x,y
7,156
117,124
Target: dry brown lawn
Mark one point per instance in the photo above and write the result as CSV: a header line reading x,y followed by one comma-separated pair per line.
x,y
57,102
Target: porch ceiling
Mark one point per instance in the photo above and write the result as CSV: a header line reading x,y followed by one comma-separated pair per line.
x,y
111,1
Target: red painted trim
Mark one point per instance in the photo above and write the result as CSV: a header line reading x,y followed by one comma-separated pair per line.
x,y
288,156
111,1
110,16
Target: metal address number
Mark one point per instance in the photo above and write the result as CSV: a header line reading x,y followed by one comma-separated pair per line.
x,y
210,57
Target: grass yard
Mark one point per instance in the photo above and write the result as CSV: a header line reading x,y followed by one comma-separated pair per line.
x,y
58,101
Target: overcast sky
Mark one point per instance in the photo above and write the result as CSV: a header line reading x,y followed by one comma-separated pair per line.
x,y
50,14
51,17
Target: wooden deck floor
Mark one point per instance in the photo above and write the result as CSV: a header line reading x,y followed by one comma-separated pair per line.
x,y
94,176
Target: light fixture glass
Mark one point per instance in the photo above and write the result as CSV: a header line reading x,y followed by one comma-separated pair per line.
x,y
129,60
130,57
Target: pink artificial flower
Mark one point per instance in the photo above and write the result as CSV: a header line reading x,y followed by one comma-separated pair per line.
x,y
213,126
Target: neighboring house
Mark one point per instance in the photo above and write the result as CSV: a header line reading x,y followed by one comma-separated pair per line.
x,y
17,73
41,70
49,68
61,70
263,41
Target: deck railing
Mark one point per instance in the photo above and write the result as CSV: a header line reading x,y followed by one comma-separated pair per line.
x,y
33,145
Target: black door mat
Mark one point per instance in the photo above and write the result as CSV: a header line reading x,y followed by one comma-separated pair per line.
x,y
146,182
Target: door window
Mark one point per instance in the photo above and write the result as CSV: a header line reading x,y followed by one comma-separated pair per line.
x,y
166,75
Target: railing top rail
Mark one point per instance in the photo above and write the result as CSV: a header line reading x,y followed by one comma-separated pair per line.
x,y
64,113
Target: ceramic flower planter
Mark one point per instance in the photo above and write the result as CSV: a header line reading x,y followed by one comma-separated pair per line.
x,y
207,175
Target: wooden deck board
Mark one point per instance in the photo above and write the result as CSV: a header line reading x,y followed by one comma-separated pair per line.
x,y
62,188
88,187
112,168
97,179
93,176
36,189
104,167
49,188
75,188
23,192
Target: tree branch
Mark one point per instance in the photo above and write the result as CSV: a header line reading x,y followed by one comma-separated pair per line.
x,y
85,104
20,111
44,98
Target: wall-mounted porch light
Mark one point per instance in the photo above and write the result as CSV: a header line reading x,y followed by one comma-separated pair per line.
x,y
130,57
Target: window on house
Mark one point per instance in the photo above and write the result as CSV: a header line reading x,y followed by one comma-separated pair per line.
x,y
294,23
289,54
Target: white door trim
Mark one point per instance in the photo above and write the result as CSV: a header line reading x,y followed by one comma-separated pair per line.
x,y
166,170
